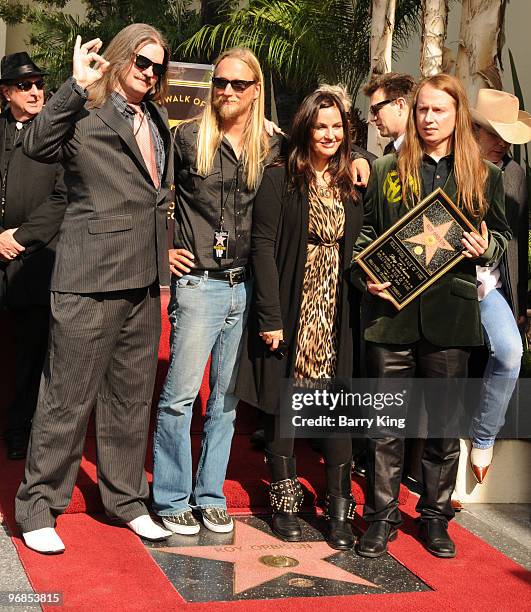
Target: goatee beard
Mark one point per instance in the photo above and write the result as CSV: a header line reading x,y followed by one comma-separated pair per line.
x,y
227,110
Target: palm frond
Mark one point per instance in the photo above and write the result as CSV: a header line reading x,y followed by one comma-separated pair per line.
x,y
304,41
52,32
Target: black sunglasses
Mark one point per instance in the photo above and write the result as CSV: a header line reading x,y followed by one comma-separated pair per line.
x,y
376,108
236,84
143,62
27,85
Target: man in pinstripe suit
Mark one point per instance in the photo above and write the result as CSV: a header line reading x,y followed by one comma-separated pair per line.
x,y
107,129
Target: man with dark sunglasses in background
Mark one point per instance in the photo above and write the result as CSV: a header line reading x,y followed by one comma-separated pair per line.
x,y
33,201
389,96
108,128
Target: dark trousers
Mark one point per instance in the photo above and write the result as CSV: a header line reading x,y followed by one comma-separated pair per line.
x,y
103,353
31,337
440,458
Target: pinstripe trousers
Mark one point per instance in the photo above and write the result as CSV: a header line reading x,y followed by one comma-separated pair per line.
x,y
102,352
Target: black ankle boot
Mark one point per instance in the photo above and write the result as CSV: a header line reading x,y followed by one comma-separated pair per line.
x,y
339,508
285,494
433,534
373,543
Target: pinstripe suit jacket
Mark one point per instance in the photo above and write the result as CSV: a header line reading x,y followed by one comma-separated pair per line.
x,y
114,233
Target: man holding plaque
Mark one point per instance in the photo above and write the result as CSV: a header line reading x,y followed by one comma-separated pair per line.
x,y
430,337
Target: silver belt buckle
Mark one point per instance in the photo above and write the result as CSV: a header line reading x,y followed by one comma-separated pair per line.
x,y
236,276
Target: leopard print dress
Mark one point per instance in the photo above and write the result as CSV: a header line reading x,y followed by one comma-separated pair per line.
x,y
316,351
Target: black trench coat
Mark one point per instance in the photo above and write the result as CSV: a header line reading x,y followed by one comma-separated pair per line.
x,y
278,255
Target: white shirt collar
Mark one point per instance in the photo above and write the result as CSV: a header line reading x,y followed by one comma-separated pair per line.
x,y
398,142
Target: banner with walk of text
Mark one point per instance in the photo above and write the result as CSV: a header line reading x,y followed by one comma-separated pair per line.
x,y
187,91
188,86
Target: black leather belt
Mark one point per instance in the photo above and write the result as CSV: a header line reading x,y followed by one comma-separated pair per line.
x,y
233,276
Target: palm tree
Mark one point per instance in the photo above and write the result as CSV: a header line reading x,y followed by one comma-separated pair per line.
x,y
53,33
434,25
481,39
382,30
304,42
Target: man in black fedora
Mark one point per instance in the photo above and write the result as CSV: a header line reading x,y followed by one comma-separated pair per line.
x,y
33,200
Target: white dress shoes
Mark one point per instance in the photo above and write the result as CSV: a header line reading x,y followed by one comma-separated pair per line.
x,y
45,541
145,527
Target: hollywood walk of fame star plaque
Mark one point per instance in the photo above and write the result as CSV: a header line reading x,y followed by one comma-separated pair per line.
x,y
251,563
418,249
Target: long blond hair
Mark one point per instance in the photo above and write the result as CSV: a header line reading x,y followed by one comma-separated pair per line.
x,y
255,140
120,54
469,168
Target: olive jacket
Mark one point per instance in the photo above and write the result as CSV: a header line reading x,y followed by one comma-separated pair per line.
x,y
447,313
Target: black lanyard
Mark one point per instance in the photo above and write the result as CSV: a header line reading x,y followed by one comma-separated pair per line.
x,y
222,193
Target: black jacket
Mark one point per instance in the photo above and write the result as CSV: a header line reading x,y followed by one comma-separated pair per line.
x,y
514,260
278,254
35,202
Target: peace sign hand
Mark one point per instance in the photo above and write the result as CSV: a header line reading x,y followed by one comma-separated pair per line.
x,y
84,56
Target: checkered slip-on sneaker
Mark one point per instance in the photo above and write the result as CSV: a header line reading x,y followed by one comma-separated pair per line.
x,y
183,523
217,519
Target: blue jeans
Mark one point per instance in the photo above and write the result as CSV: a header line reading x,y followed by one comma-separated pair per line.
x,y
501,373
208,317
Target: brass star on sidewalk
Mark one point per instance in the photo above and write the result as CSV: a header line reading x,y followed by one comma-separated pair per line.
x,y
256,556
433,238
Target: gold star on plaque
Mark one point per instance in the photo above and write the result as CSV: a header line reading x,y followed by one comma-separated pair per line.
x,y
433,238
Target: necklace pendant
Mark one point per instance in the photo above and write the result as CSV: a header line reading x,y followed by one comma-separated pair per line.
x,y
324,192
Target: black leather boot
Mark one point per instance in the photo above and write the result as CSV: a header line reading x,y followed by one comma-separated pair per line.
x,y
285,494
433,533
373,543
339,506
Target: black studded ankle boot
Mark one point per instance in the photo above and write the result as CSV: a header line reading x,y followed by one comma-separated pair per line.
x,y
339,506
285,494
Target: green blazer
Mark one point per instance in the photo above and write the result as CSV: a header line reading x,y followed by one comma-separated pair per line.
x,y
447,313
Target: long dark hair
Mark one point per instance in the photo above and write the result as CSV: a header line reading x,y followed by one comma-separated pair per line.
x,y
299,168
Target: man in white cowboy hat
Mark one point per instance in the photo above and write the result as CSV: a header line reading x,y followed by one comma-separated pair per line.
x,y
502,289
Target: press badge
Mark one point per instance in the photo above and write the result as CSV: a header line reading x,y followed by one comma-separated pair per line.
x,y
221,244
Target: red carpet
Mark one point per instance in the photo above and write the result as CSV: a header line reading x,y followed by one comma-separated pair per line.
x,y
107,568
247,474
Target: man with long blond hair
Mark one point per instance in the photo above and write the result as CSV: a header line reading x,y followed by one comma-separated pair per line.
x,y
432,335
219,160
107,128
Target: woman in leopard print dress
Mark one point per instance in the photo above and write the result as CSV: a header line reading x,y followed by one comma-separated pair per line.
x,y
306,218
316,351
